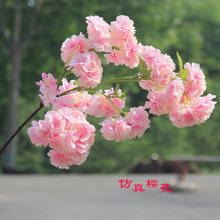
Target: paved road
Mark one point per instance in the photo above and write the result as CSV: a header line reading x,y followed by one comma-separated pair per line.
x,y
100,197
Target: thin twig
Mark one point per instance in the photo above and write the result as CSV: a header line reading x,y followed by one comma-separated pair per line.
x,y
18,130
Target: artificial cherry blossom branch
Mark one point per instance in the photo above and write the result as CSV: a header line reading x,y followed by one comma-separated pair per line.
x,y
65,128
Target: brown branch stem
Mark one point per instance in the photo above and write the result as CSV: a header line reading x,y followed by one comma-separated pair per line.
x,y
23,124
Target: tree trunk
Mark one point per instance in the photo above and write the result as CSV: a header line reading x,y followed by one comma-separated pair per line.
x,y
17,44
9,161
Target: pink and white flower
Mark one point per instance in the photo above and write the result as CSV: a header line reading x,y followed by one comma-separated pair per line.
x,y
67,132
101,106
196,84
161,65
149,54
115,129
73,46
122,30
75,99
138,119
165,100
163,70
156,104
65,159
192,112
39,132
124,44
126,55
204,107
48,89
99,33
88,67
173,94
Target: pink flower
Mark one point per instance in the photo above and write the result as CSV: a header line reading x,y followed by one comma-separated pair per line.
x,y
183,116
165,100
39,133
66,85
122,30
115,129
88,67
67,132
149,54
162,70
124,44
173,94
101,106
156,104
99,34
82,101
78,139
71,116
139,121
74,46
197,84
161,65
126,55
192,112
66,100
63,160
56,123
204,108
147,85
48,89
79,100
63,101
115,57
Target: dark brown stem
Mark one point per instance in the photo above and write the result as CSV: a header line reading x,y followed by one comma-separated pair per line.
x,y
18,130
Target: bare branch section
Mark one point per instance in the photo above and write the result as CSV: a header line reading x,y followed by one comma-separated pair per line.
x,y
18,130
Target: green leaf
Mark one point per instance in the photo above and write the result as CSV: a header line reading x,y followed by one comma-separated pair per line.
x,y
143,66
183,74
116,88
145,72
123,95
180,62
76,83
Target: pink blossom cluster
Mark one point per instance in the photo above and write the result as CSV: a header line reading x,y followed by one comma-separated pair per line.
x,y
67,132
133,124
88,67
173,94
161,67
100,104
65,128
116,40
48,89
75,99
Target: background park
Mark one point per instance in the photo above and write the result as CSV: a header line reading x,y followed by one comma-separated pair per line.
x,y
33,32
